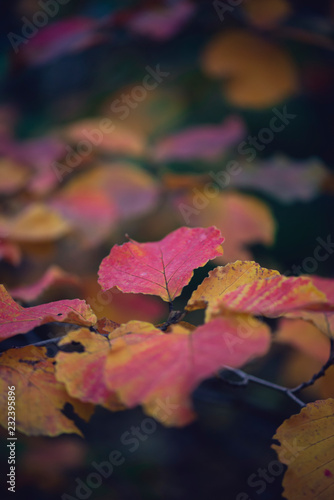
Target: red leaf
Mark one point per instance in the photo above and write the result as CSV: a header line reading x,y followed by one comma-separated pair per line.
x,y
160,371
16,319
206,142
161,268
54,276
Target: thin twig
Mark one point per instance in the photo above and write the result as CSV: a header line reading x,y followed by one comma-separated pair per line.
x,y
321,372
246,378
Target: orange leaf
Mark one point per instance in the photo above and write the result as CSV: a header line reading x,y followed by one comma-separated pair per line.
x,y
307,448
258,73
16,319
244,220
272,297
13,176
39,397
82,372
161,268
34,224
226,279
305,337
160,370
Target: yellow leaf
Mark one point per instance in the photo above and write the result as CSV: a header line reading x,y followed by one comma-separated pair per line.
x,y
307,448
225,279
39,397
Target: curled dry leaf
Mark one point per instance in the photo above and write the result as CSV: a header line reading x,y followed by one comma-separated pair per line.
x,y
16,319
39,397
161,268
307,448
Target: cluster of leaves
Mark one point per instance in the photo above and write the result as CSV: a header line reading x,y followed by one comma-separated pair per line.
x,y
165,165
122,366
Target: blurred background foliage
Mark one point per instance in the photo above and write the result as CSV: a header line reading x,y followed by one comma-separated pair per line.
x,y
226,70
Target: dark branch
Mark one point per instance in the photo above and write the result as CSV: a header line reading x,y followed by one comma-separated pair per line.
x,y
321,372
245,378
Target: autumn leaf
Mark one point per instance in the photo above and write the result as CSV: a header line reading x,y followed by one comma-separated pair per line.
x,y
244,220
324,319
83,372
54,276
310,436
10,252
122,307
104,135
161,268
37,223
272,297
39,397
257,73
305,337
16,319
76,34
160,371
108,193
206,142
13,176
267,15
82,208
285,180
163,22
225,279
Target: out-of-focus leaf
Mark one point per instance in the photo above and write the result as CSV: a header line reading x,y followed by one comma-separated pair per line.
x,y
36,223
265,14
206,142
13,176
305,337
101,133
244,220
257,72
162,23
286,181
61,38
54,276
